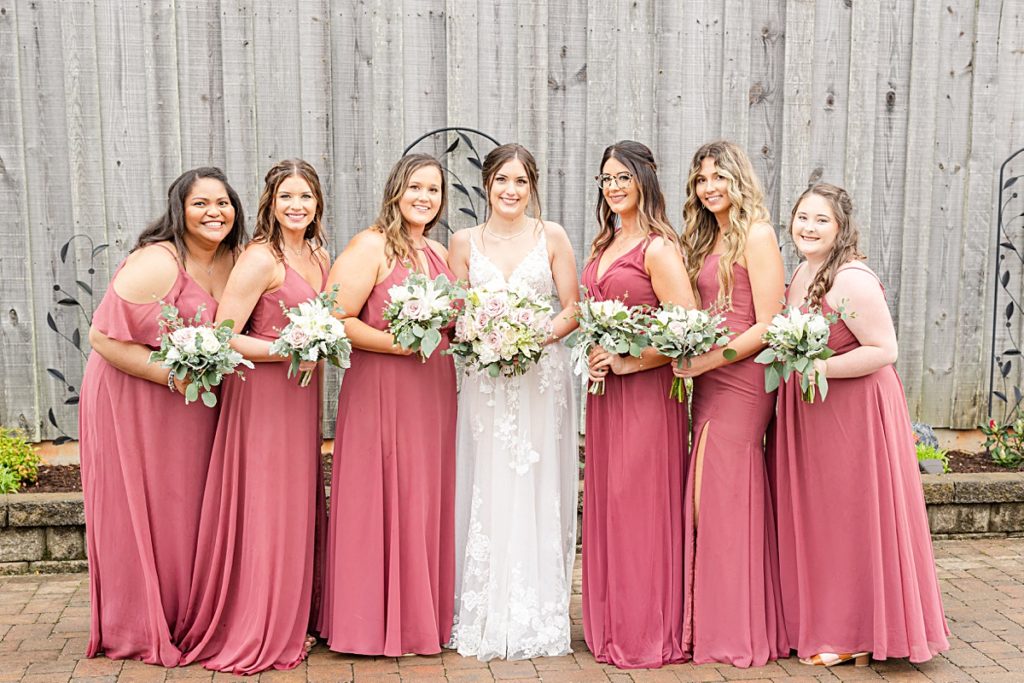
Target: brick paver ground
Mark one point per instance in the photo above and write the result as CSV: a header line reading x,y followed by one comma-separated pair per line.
x,y
44,623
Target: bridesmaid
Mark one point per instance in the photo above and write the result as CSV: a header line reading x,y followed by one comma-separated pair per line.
x,y
390,574
142,496
635,441
858,575
252,586
733,610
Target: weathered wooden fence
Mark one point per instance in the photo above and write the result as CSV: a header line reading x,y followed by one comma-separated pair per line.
x,y
911,104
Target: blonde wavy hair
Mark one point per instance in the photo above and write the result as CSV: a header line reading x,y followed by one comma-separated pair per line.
x,y
651,216
746,208
846,247
389,221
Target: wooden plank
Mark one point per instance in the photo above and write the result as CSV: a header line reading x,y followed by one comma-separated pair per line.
x,y
19,404
765,98
238,60
737,23
568,193
530,98
702,71
885,219
831,73
277,76
635,69
602,107
315,95
160,72
85,274
909,297
971,338
353,197
861,111
389,94
41,79
795,157
200,83
952,152
673,145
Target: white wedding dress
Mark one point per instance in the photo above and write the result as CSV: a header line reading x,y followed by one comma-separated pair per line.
x,y
516,490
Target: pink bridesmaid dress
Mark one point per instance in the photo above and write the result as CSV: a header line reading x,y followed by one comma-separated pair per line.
x,y
733,606
632,499
252,588
390,576
144,456
858,574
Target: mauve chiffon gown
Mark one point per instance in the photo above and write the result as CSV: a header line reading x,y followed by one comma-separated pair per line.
x,y
733,606
390,576
632,499
144,455
252,588
855,551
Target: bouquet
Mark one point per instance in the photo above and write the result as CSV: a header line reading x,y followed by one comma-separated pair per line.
x,y
199,351
683,333
501,331
419,309
610,324
313,334
795,340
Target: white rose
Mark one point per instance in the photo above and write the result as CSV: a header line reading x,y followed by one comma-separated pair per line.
x,y
210,343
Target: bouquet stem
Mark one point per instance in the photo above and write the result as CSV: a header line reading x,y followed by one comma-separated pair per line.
x,y
678,390
596,387
305,377
808,394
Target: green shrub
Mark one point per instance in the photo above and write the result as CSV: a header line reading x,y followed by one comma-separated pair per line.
x,y
1005,442
17,455
9,482
927,452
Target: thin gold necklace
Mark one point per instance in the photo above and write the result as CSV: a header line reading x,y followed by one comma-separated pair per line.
x,y
504,237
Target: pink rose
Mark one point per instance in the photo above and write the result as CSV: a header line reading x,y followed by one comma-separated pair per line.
x,y
495,306
297,338
412,309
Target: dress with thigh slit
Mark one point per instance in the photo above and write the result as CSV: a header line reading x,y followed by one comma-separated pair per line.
x,y
733,607
632,499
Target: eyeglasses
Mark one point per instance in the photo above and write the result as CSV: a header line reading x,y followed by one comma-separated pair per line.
x,y
621,180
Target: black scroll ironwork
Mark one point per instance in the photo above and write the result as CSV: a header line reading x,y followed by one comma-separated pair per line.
x,y
1006,304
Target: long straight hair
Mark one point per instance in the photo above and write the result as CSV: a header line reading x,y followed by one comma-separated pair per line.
x,y
846,247
651,216
268,229
170,226
746,199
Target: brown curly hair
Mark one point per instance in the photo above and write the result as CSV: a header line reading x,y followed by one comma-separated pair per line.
x,y
845,248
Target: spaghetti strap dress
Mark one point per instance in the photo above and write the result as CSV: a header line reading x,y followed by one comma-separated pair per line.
x,y
632,498
252,588
858,573
144,456
390,574
733,606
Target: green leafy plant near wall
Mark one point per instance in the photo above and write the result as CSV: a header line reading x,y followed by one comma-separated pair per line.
x,y
19,462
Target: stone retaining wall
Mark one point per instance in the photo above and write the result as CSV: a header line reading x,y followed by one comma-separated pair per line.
x,y
44,532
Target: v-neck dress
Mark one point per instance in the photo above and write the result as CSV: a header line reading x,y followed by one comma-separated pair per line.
x,y
252,588
390,574
144,456
632,498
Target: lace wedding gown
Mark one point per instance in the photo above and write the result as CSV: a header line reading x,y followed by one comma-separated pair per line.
x,y
516,489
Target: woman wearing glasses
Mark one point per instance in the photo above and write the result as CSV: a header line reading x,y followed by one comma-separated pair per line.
x,y
632,525
733,611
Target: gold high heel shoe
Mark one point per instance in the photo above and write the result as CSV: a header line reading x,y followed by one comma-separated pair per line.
x,y
831,659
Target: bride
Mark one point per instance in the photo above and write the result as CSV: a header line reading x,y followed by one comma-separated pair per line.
x,y
517,476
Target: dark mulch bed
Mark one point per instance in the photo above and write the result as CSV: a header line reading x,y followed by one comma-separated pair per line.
x,y
55,479
960,461
63,478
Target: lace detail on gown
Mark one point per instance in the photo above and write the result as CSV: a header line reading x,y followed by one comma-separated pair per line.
x,y
516,499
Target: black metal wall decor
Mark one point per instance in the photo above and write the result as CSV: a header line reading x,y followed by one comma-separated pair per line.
x,y
1005,371
462,161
